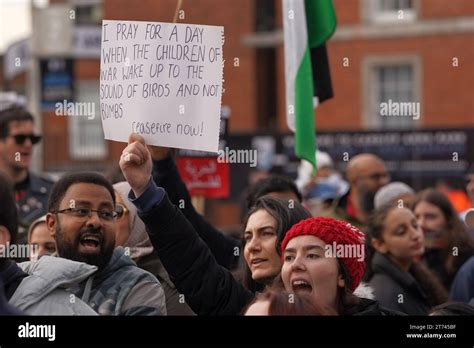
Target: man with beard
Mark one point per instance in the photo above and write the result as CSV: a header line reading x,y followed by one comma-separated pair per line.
x,y
42,291
81,217
366,173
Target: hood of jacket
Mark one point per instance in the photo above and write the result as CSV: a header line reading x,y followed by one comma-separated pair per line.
x,y
46,275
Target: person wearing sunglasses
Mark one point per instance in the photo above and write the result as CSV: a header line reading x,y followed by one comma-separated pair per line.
x,y
17,138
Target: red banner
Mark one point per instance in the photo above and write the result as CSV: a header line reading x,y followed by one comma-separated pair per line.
x,y
204,176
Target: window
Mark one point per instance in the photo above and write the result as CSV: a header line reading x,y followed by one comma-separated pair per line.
x,y
88,12
394,5
394,84
86,137
265,15
266,88
392,96
392,10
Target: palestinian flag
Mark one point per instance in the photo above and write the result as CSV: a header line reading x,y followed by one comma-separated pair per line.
x,y
307,24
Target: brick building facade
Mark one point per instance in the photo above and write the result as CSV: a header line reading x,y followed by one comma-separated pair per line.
x,y
410,50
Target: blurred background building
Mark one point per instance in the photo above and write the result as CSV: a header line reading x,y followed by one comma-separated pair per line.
x,y
403,50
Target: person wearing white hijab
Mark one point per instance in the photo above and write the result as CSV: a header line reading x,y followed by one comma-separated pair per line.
x,y
131,235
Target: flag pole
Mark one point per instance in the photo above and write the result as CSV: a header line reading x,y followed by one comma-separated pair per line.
x,y
197,201
178,8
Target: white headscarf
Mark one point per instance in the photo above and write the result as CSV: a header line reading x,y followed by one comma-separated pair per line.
x,y
138,242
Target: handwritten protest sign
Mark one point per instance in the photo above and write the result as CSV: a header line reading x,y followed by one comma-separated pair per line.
x,y
163,81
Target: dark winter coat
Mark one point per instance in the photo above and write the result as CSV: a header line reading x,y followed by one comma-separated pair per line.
x,y
396,289
367,307
208,288
224,248
5,308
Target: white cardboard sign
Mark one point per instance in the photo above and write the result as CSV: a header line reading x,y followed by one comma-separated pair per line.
x,y
163,81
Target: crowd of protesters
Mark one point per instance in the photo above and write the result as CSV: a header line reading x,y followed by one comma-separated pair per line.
x,y
332,243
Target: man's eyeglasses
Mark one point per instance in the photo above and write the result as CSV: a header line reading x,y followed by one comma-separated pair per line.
x,y
21,138
105,215
121,210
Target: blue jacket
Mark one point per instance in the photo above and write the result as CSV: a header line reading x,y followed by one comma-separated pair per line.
x,y
462,288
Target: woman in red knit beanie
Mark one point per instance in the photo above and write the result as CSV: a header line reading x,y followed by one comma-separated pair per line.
x,y
324,258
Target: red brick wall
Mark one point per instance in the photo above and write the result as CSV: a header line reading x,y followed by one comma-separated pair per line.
x,y
446,95
87,69
434,9
347,11
446,91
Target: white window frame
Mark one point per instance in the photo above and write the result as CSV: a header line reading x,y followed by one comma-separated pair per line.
x,y
84,3
369,91
372,13
90,151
